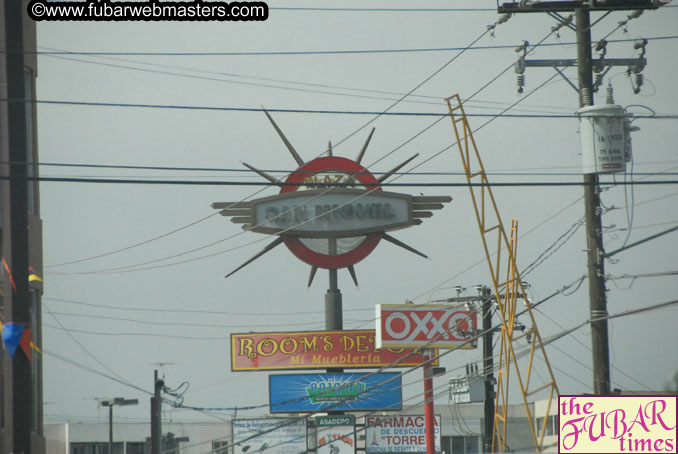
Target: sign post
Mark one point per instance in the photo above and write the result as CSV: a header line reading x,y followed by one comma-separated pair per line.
x,y
428,406
426,327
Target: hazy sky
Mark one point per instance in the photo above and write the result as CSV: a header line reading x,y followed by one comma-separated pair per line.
x,y
165,305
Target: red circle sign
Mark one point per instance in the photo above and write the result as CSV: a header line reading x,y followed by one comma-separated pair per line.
x,y
326,170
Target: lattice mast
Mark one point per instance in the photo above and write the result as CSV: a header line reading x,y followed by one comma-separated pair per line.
x,y
508,287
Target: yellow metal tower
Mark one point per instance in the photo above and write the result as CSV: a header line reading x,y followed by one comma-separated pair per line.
x,y
508,287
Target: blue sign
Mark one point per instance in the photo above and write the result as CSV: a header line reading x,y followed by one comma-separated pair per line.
x,y
341,392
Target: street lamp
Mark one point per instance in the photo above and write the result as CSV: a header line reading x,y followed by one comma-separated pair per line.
x,y
110,403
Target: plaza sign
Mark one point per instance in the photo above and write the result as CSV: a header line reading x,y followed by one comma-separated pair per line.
x,y
331,199
430,326
326,213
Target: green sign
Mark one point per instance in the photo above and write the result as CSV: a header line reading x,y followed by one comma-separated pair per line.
x,y
343,420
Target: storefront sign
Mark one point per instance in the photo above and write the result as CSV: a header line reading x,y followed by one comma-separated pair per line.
x,y
335,434
434,326
315,350
336,392
398,434
272,435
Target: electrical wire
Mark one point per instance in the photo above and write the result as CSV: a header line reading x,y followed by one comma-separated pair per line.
x,y
323,86
500,172
396,102
375,114
134,245
195,311
436,73
339,143
550,340
554,247
183,323
323,52
119,377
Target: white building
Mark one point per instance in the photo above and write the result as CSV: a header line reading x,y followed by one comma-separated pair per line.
x,y
461,433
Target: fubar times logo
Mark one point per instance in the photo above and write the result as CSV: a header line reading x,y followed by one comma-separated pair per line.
x,y
617,424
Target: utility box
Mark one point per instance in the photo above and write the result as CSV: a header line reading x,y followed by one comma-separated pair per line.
x,y
604,137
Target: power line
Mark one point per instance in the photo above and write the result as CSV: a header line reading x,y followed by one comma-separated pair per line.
x,y
333,185
384,10
181,324
269,79
194,311
323,52
132,268
318,111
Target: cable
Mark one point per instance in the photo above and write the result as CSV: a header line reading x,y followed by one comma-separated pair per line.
x,y
639,242
145,322
197,311
342,140
554,247
429,79
505,172
376,114
267,184
128,268
140,243
119,378
589,349
383,10
284,81
552,339
322,52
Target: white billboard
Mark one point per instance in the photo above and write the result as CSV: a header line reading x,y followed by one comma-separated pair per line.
x,y
269,436
398,434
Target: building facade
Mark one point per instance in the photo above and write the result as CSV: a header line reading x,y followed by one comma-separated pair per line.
x,y
20,232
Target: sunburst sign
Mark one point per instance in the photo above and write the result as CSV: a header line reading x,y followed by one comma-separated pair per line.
x,y
331,212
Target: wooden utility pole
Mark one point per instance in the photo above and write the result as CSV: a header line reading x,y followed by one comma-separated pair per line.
x,y
22,393
156,415
593,211
594,231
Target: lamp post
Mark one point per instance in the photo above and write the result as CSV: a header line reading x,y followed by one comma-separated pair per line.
x,y
110,403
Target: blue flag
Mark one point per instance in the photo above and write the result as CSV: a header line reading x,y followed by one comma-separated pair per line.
x,y
11,334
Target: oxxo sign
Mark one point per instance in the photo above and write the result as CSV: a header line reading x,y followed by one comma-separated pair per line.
x,y
432,326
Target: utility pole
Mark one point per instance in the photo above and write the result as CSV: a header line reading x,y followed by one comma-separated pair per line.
x,y
594,231
488,369
22,423
592,205
156,415
487,299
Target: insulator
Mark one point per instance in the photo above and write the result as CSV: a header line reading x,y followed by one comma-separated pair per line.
x,y
609,98
639,81
520,82
598,82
